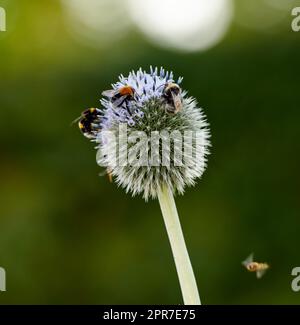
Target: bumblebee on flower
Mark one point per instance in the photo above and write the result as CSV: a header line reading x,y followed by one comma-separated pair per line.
x,y
147,102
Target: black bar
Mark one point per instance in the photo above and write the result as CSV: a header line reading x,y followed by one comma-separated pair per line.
x,y
96,314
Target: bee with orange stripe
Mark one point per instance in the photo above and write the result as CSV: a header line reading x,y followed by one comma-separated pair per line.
x,y
120,96
252,266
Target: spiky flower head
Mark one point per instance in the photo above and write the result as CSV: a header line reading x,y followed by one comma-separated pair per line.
x,y
154,136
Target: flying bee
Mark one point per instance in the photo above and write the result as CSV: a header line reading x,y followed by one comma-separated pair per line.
x,y
173,98
121,95
88,122
259,268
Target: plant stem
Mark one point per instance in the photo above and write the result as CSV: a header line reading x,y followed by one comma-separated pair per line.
x,y
182,261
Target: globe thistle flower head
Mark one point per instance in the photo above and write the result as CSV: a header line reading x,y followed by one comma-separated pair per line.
x,y
151,133
146,85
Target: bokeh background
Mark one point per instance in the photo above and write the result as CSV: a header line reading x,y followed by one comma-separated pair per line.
x,y
68,236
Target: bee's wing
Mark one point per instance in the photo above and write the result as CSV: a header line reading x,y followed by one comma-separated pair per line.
x,y
248,260
76,120
109,93
118,102
260,273
177,102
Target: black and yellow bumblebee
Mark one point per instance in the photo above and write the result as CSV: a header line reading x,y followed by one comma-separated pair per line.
x,y
89,125
173,98
89,122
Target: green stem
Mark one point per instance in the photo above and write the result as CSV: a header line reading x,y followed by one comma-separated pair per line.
x,y
182,261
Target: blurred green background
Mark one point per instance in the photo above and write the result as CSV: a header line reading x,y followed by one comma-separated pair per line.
x,y
68,236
